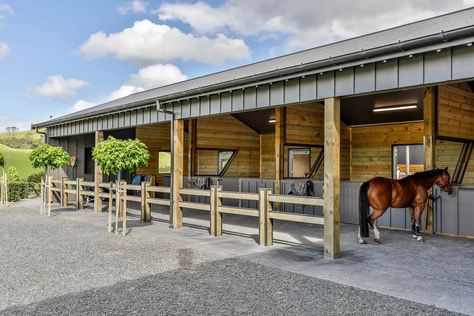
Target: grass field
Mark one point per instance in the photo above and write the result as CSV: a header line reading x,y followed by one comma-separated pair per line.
x,y
23,139
18,158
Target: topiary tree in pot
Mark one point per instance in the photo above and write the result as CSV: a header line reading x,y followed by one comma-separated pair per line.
x,y
115,156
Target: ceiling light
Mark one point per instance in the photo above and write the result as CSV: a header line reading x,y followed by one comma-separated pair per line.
x,y
396,108
271,121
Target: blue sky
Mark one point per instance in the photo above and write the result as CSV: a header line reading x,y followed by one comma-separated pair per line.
x,y
60,56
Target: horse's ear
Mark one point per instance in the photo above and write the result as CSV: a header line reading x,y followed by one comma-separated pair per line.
x,y
446,169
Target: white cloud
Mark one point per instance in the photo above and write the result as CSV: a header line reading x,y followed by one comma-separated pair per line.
x,y
135,6
148,78
148,43
4,50
5,9
56,87
81,105
20,123
305,23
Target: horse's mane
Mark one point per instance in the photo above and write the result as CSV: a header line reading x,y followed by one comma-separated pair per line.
x,y
428,174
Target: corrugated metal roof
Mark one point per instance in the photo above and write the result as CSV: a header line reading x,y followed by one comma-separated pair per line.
x,y
420,29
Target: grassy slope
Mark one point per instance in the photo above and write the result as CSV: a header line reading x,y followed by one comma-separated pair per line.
x,y
23,139
18,158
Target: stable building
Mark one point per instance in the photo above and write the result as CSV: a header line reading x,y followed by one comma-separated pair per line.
x,y
389,104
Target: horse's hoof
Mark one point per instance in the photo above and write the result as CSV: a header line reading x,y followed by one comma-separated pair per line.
x,y
377,240
419,238
362,242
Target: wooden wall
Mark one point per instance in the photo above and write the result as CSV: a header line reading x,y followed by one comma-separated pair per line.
x,y
227,132
447,155
456,111
157,138
372,147
267,159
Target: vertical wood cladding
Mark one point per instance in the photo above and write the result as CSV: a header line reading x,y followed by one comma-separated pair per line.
x,y
372,147
456,111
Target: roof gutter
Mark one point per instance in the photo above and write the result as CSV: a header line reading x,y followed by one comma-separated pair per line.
x,y
437,38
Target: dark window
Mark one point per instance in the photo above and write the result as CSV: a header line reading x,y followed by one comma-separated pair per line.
x,y
88,162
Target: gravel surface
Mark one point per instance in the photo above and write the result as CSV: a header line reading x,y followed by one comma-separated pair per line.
x,y
42,257
228,287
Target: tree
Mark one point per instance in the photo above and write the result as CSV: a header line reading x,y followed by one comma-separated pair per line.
x,y
114,156
2,161
47,156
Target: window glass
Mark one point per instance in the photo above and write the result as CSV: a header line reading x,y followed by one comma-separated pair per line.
x,y
407,160
224,159
299,162
164,162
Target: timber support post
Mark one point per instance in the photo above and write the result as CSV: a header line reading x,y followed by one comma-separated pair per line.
x,y
98,177
218,214
177,176
429,96
332,181
80,198
280,139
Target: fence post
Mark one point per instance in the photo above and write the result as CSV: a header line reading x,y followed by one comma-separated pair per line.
x,y
49,195
64,196
117,204
124,213
43,184
80,197
213,208
218,214
143,201
269,221
262,216
111,201
77,193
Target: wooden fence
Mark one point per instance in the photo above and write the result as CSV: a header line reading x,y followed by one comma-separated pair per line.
x,y
146,195
4,189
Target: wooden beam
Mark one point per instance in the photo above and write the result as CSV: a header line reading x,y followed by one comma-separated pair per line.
x,y
178,164
280,136
429,145
98,177
332,181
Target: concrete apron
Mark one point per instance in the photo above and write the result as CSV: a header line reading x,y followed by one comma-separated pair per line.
x,y
439,271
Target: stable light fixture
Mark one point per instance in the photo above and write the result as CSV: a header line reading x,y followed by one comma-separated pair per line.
x,y
396,108
271,120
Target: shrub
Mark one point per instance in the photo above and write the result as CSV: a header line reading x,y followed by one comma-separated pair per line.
x,y
19,190
35,178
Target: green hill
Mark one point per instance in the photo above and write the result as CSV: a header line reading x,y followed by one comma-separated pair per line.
x,y
18,158
23,139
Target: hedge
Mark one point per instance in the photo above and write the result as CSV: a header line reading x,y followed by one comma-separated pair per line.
x,y
21,190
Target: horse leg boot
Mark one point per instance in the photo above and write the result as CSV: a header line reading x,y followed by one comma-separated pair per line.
x,y
419,211
376,233
361,240
372,224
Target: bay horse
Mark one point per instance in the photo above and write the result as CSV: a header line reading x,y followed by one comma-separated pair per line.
x,y
412,192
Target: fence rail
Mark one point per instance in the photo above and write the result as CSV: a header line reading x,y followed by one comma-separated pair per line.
x,y
145,195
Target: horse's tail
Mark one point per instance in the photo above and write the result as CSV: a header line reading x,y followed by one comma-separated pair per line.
x,y
364,210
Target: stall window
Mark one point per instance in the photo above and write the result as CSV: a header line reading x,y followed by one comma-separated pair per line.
x,y
224,159
164,162
407,159
88,161
214,162
299,160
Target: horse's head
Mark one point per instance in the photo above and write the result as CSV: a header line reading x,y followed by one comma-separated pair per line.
x,y
444,182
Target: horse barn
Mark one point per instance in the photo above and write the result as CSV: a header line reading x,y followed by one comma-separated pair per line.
x,y
389,104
